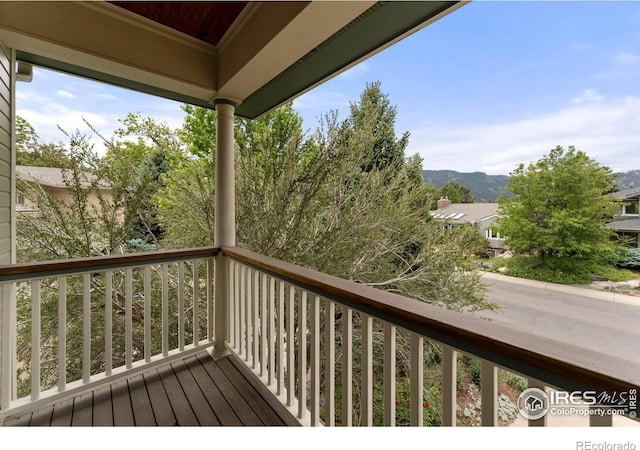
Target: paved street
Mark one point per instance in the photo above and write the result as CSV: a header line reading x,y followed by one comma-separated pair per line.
x,y
602,321
568,314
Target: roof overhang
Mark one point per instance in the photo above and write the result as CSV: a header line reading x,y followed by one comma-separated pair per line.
x,y
268,52
625,225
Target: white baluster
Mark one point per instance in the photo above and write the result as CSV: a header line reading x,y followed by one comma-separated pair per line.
x,y
248,315
330,365
347,367
255,305
210,317
233,296
302,356
165,310
389,375
599,418
147,313
242,312
449,371
541,422
271,338
128,323
35,339
108,322
489,394
181,316
416,380
196,302
290,346
62,333
367,370
86,327
280,338
8,363
315,361
263,324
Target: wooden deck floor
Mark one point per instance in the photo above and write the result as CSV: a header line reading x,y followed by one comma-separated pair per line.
x,y
196,391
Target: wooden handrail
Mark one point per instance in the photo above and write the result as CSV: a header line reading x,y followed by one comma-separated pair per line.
x,y
557,363
40,269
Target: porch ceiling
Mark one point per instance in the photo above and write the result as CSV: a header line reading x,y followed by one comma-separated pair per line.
x,y
255,54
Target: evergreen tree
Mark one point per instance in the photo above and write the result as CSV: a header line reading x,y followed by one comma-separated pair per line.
x,y
371,126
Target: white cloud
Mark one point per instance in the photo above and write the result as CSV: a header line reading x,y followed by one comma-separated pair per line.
x,y
625,65
51,116
588,95
29,96
579,46
607,131
356,71
314,104
627,58
65,94
107,97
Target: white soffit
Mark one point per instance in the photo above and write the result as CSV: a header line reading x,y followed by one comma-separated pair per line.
x,y
110,41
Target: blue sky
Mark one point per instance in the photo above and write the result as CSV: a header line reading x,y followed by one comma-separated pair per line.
x,y
492,85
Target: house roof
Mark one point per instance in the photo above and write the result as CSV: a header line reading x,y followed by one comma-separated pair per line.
x,y
627,195
48,176
466,212
632,225
257,55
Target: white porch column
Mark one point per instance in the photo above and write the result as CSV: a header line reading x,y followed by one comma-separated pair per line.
x,y
225,219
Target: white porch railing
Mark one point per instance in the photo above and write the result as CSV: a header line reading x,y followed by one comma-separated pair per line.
x,y
86,322
334,352
327,349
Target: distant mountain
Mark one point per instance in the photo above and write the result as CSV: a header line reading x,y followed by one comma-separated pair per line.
x,y
628,180
486,188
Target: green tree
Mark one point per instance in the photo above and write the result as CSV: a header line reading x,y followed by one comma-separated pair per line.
x,y
31,151
86,224
137,157
370,125
326,202
559,208
456,192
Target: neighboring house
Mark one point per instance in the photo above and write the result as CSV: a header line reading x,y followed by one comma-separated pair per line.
x,y
482,216
52,181
627,221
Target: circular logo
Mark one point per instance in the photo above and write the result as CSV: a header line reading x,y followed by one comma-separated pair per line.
x,y
533,403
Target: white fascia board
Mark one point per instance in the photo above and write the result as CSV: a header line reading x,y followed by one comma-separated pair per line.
x,y
317,22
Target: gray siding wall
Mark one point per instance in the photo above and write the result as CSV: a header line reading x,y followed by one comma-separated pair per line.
x,y
6,166
7,219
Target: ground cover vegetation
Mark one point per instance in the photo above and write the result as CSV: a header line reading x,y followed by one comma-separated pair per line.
x,y
344,199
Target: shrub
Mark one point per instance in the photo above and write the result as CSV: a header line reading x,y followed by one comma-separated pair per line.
x,y
460,375
554,271
475,369
560,270
431,405
517,382
632,259
611,273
